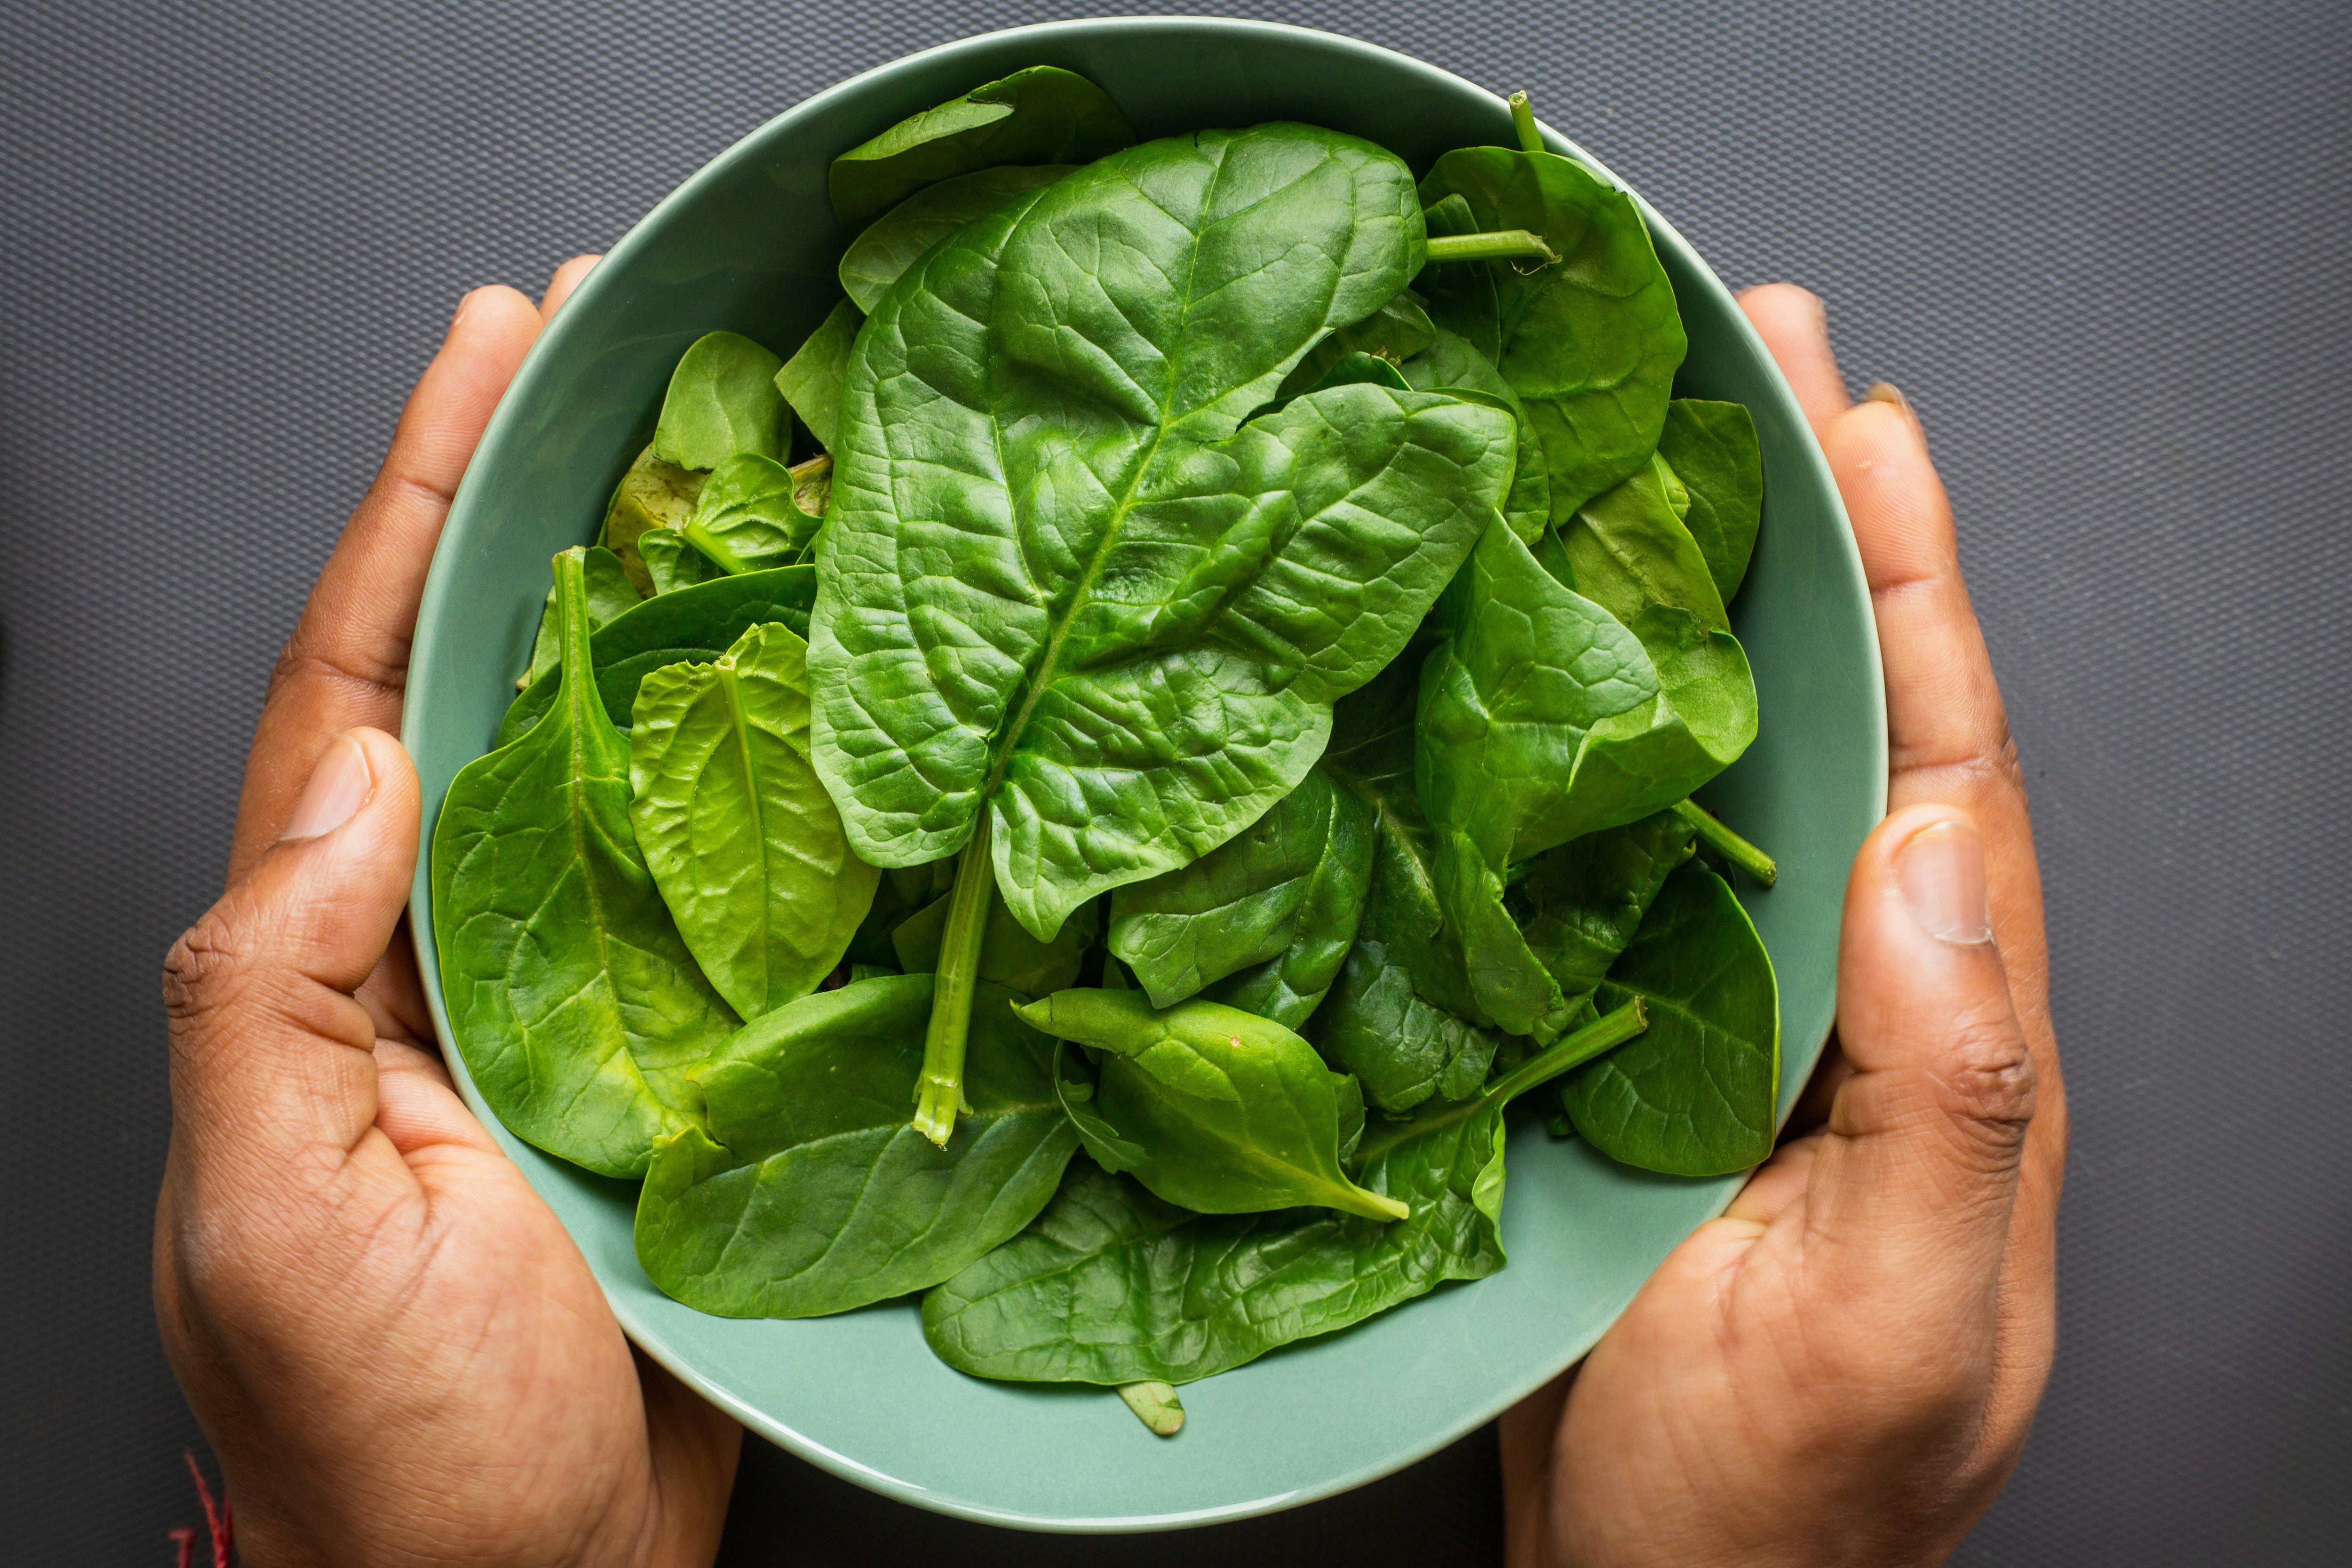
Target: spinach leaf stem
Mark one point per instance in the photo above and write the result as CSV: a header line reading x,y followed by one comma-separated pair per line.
x,y
1728,844
1498,244
938,1092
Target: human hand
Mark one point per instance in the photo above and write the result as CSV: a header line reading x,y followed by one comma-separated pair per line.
x,y
398,1353
1842,1368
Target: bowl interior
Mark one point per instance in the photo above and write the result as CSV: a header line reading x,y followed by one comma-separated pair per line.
x,y
750,244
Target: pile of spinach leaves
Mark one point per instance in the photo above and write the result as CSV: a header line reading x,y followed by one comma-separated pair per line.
x,y
1087,789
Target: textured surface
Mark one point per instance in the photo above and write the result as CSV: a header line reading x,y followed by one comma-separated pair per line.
x,y
2100,246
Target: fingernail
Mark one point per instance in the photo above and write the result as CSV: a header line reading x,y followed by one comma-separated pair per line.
x,y
339,785
1941,869
1887,392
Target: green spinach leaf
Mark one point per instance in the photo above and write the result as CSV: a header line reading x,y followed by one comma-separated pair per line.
x,y
610,594
1713,447
575,1004
1697,1095
1297,875
741,838
1589,345
1210,1107
1041,115
652,496
811,380
1580,905
810,1193
1111,1285
1395,333
672,563
691,626
1074,617
1449,363
1627,551
748,517
897,239
1528,672
723,400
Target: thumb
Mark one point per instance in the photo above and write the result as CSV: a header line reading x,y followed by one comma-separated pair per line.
x,y
271,1056
1918,1175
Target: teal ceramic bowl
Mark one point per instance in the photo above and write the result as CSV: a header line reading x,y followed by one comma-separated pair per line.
x,y
750,244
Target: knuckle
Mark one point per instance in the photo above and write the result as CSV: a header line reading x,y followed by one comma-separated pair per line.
x,y
1989,1083
201,969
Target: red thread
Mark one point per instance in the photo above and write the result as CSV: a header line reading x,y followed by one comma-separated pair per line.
x,y
218,1521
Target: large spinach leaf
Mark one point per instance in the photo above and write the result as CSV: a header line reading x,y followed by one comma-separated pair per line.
x,y
574,1003
1297,877
810,1193
1697,1096
897,239
1074,617
1589,345
693,625
1111,1285
1713,447
609,594
740,837
1210,1106
811,380
1041,115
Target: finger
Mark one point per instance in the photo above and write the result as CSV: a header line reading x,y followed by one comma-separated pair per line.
x,y
1914,1182
347,662
417,1107
1525,1435
696,1446
1947,732
1777,1183
1795,327
273,1064
568,277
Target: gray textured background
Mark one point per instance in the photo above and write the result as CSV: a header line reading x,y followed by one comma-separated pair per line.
x,y
2103,247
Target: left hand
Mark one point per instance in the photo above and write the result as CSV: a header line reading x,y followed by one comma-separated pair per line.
x,y
1841,1370
397,1351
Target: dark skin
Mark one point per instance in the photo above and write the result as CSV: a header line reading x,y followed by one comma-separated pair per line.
x,y
401,1357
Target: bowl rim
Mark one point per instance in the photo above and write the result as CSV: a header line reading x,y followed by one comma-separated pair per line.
x,y
522,393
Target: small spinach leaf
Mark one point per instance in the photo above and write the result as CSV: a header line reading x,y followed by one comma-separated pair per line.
x,y
610,594
1111,1285
1009,956
1580,905
811,380
723,400
1210,1106
1449,363
1697,1095
1298,874
897,239
1395,333
747,518
1591,345
672,563
1713,447
574,1003
1628,550
810,1193
740,837
1041,115
692,624
1528,672
652,496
